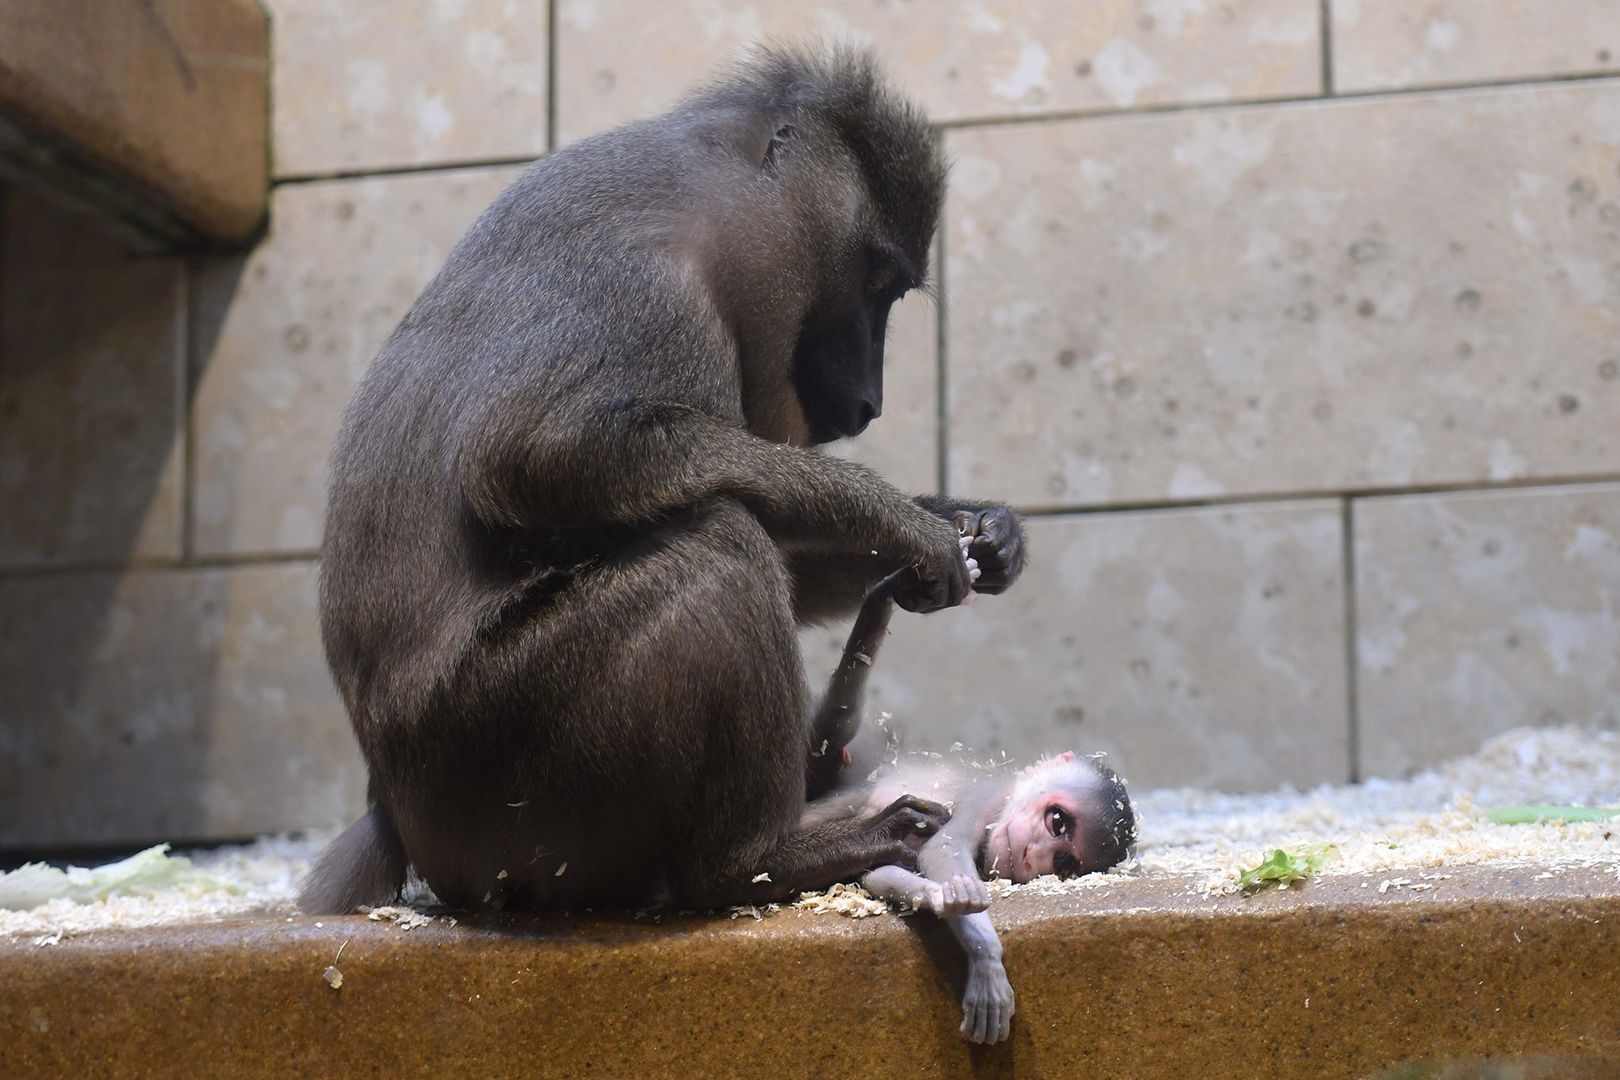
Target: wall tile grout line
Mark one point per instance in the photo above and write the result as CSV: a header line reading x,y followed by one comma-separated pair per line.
x,y
1291,101
1327,48
551,76
941,371
148,564
1352,653
183,423
1306,494
407,170
1333,95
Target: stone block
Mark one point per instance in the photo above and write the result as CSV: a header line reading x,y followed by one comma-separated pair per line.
x,y
153,114
1291,299
168,705
1389,44
91,356
282,336
363,86
1483,611
1197,647
961,59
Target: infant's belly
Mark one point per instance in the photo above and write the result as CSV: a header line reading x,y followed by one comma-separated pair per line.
x,y
924,779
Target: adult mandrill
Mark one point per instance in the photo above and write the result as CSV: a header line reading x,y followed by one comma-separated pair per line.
x,y
573,520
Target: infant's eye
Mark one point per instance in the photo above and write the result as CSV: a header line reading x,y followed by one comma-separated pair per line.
x,y
1058,822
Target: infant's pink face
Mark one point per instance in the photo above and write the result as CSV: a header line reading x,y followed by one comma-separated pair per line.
x,y
1038,835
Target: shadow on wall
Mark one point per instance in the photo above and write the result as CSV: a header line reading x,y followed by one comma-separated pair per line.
x,y
108,678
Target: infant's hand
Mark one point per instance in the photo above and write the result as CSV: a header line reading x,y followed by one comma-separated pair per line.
x,y
963,894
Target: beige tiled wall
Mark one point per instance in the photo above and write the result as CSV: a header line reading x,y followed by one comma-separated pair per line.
x,y
282,336
361,86
91,347
1231,278
167,705
1199,647
1355,294
962,59
1479,611
1389,44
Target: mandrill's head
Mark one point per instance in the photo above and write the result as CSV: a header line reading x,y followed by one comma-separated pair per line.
x,y
818,199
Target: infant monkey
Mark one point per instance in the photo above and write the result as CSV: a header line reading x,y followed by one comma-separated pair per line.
x,y
1065,815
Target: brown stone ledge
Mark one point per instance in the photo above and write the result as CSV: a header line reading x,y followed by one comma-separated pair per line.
x,y
153,115
1149,979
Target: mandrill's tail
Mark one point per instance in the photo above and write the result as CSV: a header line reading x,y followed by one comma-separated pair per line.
x,y
364,865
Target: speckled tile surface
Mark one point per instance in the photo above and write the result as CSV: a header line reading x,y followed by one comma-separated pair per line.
x,y
958,58
1199,647
283,335
1388,44
1286,299
363,86
166,705
91,354
1480,611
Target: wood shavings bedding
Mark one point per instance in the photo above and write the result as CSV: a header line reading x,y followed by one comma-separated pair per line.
x,y
1433,820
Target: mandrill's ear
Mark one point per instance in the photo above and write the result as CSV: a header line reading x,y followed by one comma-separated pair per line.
x,y
751,135
777,146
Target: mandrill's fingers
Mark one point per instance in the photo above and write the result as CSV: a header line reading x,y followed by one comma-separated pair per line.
x,y
943,575
995,542
910,816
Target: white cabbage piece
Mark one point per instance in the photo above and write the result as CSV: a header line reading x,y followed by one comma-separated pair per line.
x,y
152,870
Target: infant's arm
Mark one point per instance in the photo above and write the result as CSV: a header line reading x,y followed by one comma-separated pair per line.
x,y
951,888
961,894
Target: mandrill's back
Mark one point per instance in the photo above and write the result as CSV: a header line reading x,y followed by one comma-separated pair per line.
x,y
510,331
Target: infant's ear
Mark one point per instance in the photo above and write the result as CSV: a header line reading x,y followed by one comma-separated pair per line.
x,y
1055,759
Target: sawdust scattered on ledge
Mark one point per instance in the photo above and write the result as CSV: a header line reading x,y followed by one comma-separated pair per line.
x,y
406,918
1430,821
1403,829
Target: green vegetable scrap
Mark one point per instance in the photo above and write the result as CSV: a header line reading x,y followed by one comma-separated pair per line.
x,y
1535,815
33,884
1284,868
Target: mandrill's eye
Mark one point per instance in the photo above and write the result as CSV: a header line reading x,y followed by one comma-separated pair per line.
x,y
1058,821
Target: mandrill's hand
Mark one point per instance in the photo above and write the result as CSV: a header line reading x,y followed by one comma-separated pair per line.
x,y
996,538
941,574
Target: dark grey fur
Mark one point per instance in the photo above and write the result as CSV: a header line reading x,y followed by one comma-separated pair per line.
x,y
573,521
